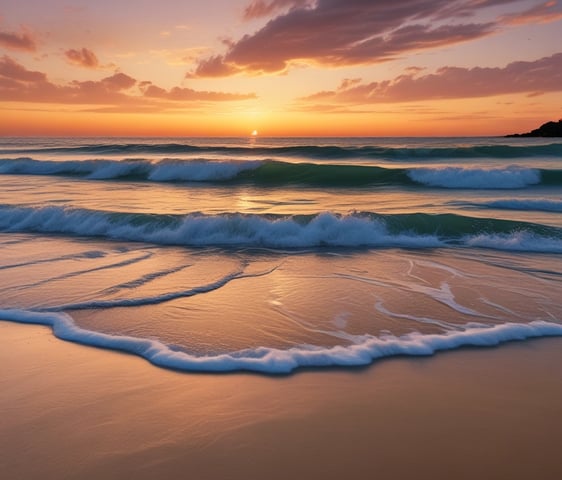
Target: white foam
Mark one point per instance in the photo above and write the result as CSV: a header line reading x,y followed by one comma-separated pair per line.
x,y
520,241
364,351
476,178
325,229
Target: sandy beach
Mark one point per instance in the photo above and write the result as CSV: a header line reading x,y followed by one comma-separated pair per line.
x,y
75,412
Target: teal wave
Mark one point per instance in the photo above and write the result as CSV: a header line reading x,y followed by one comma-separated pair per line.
x,y
274,172
355,230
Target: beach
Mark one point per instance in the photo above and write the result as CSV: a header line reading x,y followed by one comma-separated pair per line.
x,y
75,412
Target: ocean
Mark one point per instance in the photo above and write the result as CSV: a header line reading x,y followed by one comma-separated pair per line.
x,y
277,254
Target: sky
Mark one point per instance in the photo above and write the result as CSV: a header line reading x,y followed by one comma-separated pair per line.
x,y
280,67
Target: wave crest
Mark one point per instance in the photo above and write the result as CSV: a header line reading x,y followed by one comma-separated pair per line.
x,y
476,178
354,230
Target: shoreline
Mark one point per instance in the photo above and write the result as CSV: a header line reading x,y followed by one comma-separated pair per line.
x,y
277,362
72,412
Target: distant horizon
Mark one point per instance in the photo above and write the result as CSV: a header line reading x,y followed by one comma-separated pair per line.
x,y
256,138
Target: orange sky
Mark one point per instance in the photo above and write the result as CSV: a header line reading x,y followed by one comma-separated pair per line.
x,y
282,67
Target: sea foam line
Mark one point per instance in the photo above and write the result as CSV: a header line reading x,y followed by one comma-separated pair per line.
x,y
275,361
162,298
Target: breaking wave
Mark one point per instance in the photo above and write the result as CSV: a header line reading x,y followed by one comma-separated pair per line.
x,y
273,172
354,230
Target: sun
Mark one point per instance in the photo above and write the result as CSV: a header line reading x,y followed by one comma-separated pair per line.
x,y
254,133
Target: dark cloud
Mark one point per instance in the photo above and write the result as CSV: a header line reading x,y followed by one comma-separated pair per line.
x,y
354,32
119,90
18,41
82,57
534,77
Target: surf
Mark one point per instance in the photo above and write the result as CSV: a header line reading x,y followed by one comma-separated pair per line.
x,y
266,173
353,230
363,350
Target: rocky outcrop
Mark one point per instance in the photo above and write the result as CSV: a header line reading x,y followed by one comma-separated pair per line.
x,y
549,129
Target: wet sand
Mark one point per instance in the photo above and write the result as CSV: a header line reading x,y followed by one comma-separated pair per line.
x,y
74,412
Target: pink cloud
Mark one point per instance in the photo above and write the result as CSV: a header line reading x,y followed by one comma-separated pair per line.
x,y
181,94
355,32
18,41
543,75
22,85
82,57
119,81
543,13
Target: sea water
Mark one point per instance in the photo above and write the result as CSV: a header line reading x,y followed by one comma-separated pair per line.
x,y
273,254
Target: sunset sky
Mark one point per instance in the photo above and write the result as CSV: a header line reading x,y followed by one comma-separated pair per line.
x,y
281,67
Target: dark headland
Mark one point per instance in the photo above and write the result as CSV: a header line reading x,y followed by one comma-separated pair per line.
x,y
549,129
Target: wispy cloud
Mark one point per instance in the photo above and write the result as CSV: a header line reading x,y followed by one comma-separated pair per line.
x,y
531,77
355,32
542,13
178,56
23,40
18,84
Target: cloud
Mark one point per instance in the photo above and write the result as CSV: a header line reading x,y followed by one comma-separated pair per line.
x,y
178,56
213,67
180,94
116,91
532,77
82,57
19,84
354,32
113,83
18,41
10,69
543,13
261,8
